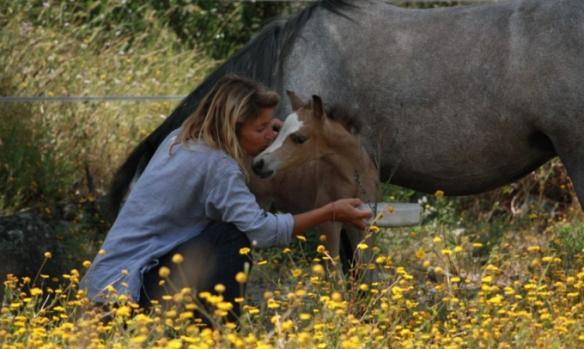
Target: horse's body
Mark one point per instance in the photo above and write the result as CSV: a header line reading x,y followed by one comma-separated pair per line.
x,y
460,99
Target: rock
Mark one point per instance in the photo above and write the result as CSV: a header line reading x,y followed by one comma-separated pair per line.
x,y
24,238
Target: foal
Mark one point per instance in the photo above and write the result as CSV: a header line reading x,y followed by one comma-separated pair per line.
x,y
314,160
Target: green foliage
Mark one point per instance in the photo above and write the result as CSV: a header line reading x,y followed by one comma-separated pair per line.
x,y
30,173
570,241
217,27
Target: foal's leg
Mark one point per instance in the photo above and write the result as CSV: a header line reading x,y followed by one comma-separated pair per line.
x,y
332,232
362,257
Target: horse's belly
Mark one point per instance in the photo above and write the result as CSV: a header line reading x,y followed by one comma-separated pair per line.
x,y
472,168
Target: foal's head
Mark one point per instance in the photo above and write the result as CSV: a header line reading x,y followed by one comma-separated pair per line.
x,y
307,134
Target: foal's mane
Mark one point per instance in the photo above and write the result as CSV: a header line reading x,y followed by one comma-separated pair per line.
x,y
348,118
261,59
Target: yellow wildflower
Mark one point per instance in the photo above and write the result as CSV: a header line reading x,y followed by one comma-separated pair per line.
x,y
241,277
177,258
164,272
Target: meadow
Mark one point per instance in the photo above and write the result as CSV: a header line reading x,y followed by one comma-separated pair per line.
x,y
504,269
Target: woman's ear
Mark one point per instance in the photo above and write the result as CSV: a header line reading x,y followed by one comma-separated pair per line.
x,y
295,101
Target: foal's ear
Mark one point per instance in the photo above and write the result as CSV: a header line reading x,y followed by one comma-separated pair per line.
x,y
317,107
294,100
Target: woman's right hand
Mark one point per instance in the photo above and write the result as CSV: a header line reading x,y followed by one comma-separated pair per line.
x,y
347,211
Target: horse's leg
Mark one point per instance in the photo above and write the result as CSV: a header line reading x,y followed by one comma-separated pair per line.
x,y
570,149
574,163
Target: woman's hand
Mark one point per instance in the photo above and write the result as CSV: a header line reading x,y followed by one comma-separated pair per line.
x,y
346,211
343,210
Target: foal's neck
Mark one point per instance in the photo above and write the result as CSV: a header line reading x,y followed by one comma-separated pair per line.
x,y
351,162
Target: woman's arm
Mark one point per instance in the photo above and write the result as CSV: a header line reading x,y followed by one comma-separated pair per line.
x,y
343,210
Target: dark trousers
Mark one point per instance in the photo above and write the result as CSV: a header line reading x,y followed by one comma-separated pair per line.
x,y
210,258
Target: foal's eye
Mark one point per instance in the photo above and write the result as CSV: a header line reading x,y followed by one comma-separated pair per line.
x,y
297,138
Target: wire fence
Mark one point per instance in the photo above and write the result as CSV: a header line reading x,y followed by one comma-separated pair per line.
x,y
61,99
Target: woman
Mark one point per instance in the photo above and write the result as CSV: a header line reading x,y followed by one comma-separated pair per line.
x,y
192,201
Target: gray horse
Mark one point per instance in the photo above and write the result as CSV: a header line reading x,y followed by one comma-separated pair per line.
x,y
460,99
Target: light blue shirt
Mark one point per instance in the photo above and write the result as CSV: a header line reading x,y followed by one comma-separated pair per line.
x,y
178,194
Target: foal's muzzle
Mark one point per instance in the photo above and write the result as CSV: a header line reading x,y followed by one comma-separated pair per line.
x,y
259,169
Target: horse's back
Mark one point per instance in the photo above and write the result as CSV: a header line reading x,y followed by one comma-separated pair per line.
x,y
453,98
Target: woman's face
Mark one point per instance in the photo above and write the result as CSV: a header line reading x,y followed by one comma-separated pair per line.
x,y
255,135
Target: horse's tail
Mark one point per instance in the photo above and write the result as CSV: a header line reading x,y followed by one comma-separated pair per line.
x,y
136,162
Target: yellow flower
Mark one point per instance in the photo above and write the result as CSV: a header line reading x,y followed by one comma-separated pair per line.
x,y
219,288
301,237
496,300
458,249
101,252
437,240
225,306
48,255
86,264
439,194
177,258
320,249
124,311
446,252
273,304
36,291
287,325
533,249
362,246
241,277
318,269
164,272
477,245
138,339
305,316
244,250
374,229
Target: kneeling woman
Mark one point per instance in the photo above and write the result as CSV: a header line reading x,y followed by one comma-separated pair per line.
x,y
192,199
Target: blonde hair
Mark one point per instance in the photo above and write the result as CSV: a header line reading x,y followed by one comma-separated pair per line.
x,y
232,101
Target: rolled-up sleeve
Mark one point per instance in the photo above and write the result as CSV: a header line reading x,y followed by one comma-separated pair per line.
x,y
231,201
